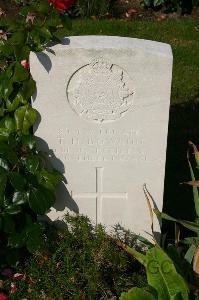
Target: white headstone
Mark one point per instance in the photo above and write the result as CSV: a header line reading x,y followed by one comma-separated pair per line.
x,y
104,105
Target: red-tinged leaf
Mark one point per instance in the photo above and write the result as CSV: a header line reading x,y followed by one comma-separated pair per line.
x,y
196,152
196,261
192,183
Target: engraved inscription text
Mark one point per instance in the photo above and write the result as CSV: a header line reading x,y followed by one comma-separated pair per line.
x,y
100,145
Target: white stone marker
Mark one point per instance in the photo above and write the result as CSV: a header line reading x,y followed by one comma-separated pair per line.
x,y
104,105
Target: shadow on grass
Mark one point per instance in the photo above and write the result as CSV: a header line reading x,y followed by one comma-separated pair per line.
x,y
178,199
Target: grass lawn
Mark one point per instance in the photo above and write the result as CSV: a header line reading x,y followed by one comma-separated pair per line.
x,y
181,34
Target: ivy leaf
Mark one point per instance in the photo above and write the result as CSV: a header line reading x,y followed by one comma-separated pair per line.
x,y
4,164
20,73
21,53
20,198
6,49
8,124
34,238
3,182
29,140
13,257
28,88
35,243
9,71
13,209
43,7
49,179
32,163
25,117
40,36
32,179
17,240
7,152
2,110
7,127
4,134
8,224
18,38
12,105
35,38
40,200
6,87
44,32
17,181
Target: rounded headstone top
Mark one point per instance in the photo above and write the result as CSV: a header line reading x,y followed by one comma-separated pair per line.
x,y
117,42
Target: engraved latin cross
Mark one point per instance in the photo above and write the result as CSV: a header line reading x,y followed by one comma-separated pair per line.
x,y
99,195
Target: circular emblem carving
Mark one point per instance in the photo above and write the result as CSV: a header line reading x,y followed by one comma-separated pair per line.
x,y
100,91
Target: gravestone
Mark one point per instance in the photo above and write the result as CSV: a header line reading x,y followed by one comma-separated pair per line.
x,y
104,106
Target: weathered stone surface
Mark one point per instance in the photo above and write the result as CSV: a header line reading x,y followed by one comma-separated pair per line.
x,y
104,105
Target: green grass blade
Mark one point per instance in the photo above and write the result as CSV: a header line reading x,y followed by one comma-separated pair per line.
x,y
190,253
193,226
195,189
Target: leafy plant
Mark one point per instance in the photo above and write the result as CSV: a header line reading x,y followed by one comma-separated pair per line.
x,y
26,184
27,189
163,279
168,273
88,8
193,242
82,262
186,262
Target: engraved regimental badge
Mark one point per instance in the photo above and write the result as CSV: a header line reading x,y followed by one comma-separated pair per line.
x,y
100,91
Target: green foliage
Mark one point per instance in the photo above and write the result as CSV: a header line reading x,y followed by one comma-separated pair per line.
x,y
26,186
137,294
27,189
172,5
193,182
193,226
165,282
82,263
88,8
193,242
186,259
153,3
168,274
182,6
